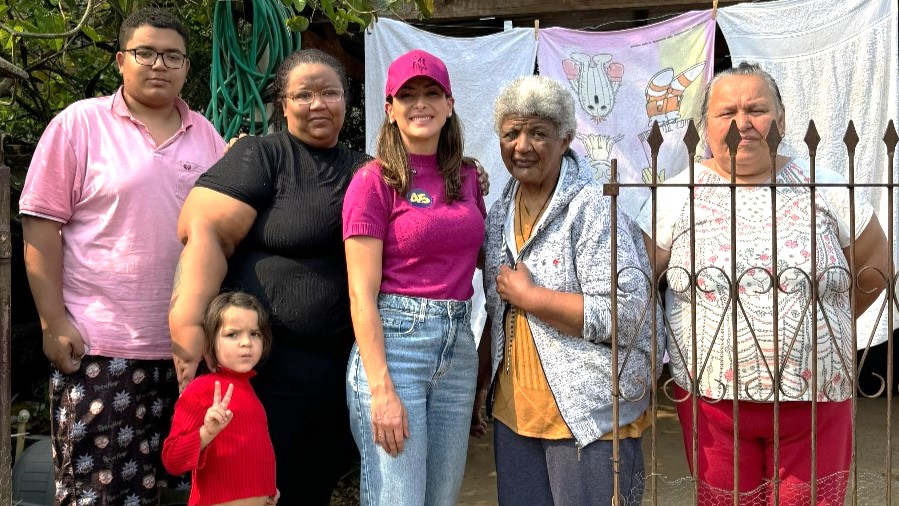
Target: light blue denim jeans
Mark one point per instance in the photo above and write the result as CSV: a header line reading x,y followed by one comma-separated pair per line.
x,y
433,362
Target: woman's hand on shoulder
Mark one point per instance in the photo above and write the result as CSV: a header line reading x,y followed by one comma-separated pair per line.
x,y
233,140
483,177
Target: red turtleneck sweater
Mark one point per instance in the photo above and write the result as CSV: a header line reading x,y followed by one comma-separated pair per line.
x,y
240,460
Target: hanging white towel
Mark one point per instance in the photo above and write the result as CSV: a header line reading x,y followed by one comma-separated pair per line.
x,y
624,81
834,60
479,67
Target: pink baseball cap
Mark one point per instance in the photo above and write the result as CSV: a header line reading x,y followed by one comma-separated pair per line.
x,y
416,63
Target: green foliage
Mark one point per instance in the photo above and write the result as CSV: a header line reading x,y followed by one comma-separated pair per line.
x,y
345,15
64,70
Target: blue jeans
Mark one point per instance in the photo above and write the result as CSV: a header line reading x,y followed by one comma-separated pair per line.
x,y
546,472
433,362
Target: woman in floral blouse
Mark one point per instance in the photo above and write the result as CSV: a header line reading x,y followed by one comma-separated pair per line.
x,y
759,349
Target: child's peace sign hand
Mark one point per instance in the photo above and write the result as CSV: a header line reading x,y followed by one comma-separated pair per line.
x,y
218,416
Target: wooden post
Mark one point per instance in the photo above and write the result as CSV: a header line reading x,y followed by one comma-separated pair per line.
x,y
5,351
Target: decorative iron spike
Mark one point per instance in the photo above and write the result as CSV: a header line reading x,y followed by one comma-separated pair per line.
x,y
851,138
733,138
812,139
773,138
890,138
655,139
691,139
851,141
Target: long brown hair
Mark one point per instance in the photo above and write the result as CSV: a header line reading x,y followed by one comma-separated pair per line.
x,y
394,158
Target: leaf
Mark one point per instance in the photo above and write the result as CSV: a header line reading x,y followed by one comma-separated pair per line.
x,y
298,23
340,25
425,7
91,33
328,8
356,20
299,5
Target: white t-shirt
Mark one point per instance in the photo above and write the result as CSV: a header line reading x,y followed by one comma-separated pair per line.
x,y
753,334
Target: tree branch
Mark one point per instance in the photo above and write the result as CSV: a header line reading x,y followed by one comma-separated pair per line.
x,y
73,31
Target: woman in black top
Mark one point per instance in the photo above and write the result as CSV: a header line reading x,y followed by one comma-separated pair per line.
x,y
266,220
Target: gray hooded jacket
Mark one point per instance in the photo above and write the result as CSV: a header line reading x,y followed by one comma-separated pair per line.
x,y
570,251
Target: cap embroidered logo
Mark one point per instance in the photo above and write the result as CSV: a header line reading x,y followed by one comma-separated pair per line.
x,y
419,64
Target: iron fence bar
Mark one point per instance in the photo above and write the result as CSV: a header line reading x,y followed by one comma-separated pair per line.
x,y
811,140
694,357
655,141
612,191
890,138
851,141
732,140
773,139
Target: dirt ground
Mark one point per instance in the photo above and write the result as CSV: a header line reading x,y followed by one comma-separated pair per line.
x,y
673,484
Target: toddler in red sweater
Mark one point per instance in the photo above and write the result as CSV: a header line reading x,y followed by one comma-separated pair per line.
x,y
223,440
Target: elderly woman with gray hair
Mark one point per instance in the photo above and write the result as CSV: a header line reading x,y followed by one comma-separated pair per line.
x,y
546,359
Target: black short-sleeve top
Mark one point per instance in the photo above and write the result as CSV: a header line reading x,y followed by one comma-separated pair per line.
x,y
292,259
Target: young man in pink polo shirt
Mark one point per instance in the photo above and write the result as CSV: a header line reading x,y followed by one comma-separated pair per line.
x,y
100,207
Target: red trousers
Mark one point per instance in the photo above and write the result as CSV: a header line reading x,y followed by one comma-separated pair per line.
x,y
715,460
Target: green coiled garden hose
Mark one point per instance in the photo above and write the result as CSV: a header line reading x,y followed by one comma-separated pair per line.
x,y
242,69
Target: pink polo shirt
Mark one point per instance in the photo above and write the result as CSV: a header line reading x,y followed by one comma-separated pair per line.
x,y
98,171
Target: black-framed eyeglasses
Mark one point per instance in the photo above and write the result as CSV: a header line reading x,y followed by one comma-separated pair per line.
x,y
307,97
171,59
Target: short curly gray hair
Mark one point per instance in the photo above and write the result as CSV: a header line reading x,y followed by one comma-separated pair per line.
x,y
538,96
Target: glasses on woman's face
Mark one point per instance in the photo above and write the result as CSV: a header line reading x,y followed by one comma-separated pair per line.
x,y
306,97
147,57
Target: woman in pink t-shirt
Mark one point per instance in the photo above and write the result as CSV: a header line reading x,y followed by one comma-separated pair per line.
x,y
413,225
